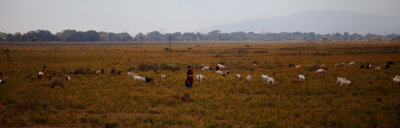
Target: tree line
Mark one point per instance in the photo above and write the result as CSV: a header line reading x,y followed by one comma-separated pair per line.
x,y
216,35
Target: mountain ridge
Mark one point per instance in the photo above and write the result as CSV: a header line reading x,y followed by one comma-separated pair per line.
x,y
324,22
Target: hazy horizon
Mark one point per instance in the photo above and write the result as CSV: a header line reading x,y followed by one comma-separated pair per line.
x,y
154,15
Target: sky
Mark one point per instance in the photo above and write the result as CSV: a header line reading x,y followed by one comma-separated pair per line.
x,y
134,16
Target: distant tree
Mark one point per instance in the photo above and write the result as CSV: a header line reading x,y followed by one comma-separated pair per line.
x,y
17,36
213,35
31,36
176,36
139,37
153,36
124,37
90,36
3,36
69,36
7,52
346,36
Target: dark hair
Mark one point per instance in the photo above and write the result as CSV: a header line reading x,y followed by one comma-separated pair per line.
x,y
189,66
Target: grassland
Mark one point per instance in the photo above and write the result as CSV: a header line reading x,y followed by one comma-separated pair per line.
x,y
105,100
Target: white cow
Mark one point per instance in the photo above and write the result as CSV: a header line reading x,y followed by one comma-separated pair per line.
x,y
301,77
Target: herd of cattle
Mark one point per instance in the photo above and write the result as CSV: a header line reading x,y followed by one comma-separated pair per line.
x,y
220,70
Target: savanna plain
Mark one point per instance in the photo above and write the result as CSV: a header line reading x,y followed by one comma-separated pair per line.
x,y
112,100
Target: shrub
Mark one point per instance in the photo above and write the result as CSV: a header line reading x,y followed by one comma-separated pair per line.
x,y
166,49
241,51
166,66
314,67
111,124
246,45
131,68
7,52
147,66
82,71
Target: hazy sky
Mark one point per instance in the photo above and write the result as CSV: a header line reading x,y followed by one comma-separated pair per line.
x,y
135,16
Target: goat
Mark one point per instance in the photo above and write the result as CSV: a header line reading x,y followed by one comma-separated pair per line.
x,y
132,74
362,65
221,66
219,72
264,77
238,76
387,66
396,81
4,80
351,63
320,71
343,81
340,65
378,68
368,66
200,77
270,80
138,78
390,63
40,75
301,77
298,66
163,76
291,65
67,78
149,79
97,71
248,78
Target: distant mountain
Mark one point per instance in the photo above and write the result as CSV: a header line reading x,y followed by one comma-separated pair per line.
x,y
323,22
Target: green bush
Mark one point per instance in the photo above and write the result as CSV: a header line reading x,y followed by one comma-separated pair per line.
x,y
111,124
148,66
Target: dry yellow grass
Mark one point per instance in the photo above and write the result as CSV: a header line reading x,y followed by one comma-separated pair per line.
x,y
105,100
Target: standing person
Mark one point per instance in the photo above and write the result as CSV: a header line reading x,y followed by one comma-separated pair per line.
x,y
189,78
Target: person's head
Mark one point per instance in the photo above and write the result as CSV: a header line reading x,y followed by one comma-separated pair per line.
x,y
188,66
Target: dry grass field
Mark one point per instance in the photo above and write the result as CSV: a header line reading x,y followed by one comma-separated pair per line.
x,y
106,100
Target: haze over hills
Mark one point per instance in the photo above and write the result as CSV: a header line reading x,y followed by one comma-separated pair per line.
x,y
323,22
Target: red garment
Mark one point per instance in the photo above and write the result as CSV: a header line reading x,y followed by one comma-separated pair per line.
x,y
190,76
